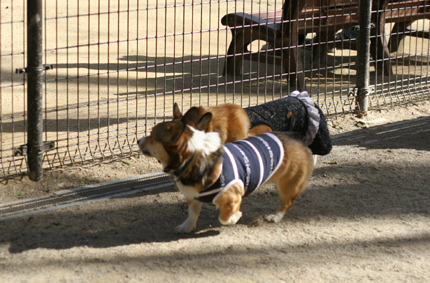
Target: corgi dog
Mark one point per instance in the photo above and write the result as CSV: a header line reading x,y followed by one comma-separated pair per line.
x,y
231,122
296,112
205,170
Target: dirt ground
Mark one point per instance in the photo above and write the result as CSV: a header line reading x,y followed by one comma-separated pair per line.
x,y
365,216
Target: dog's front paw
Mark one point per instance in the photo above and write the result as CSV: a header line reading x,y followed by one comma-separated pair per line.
x,y
275,218
185,228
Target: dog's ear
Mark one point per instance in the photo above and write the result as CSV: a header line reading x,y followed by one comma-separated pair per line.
x,y
192,116
168,132
204,121
177,114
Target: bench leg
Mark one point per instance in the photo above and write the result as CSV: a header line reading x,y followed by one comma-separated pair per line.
x,y
319,51
293,64
378,42
241,38
398,32
379,47
379,52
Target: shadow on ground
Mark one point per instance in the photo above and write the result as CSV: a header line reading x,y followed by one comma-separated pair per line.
x,y
152,217
351,189
412,134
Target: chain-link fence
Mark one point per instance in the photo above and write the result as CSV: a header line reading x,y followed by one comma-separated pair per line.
x,y
118,66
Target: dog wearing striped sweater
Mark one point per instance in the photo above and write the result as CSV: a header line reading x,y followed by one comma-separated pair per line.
x,y
205,170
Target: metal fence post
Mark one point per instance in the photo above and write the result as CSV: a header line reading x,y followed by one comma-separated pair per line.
x,y
363,55
34,89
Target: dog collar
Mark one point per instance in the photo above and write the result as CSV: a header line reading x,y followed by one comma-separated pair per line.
x,y
178,172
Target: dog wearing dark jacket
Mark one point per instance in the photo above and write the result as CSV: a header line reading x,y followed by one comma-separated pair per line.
x,y
206,171
293,113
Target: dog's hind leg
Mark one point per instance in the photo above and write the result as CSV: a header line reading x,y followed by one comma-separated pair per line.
x,y
289,190
229,204
194,208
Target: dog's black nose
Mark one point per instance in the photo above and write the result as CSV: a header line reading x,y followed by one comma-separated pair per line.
x,y
147,153
140,141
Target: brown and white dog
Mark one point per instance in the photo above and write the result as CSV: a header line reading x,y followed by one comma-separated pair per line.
x,y
229,120
296,112
195,159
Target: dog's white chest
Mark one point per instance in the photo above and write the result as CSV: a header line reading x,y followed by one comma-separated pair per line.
x,y
188,191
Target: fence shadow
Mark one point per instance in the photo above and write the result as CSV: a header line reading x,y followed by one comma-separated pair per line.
x,y
411,134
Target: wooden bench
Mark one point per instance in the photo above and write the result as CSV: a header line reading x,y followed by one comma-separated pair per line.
x,y
282,29
402,14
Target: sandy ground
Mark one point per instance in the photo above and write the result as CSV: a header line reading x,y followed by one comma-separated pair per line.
x,y
365,216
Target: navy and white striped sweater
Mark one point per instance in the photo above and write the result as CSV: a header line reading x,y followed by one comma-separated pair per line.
x,y
250,162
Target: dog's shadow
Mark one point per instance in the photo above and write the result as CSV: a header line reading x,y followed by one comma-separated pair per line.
x,y
143,219
135,222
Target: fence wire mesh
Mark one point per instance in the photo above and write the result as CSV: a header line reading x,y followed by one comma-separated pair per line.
x,y
118,66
